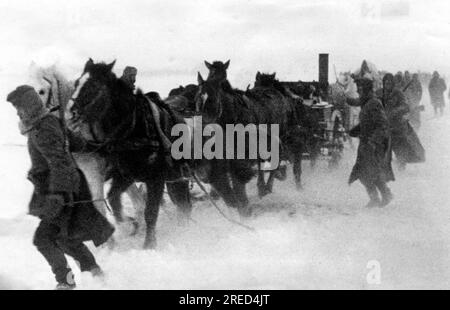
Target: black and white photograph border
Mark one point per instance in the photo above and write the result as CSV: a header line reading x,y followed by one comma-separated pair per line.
x,y
94,197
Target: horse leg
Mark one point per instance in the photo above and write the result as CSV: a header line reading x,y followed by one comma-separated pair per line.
x,y
180,195
93,168
297,169
241,174
155,191
269,185
137,197
220,182
119,185
261,183
241,194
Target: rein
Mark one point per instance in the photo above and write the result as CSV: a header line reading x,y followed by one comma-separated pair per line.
x,y
111,137
96,98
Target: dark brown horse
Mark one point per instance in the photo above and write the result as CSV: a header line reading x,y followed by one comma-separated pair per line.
x,y
128,133
280,108
222,104
183,99
227,176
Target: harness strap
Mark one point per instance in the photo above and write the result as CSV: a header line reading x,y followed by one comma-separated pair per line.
x,y
167,145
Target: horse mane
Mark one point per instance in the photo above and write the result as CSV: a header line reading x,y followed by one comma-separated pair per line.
x,y
188,91
61,87
101,70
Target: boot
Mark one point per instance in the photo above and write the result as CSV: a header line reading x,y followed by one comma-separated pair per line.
x,y
373,203
387,198
65,287
385,192
374,199
281,173
97,272
66,281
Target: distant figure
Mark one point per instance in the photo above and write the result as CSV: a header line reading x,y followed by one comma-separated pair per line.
x,y
414,95
398,80
129,77
437,87
406,79
373,164
59,189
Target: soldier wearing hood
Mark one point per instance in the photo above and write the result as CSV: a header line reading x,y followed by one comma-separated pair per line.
x,y
373,164
405,143
437,87
129,77
399,80
414,96
60,191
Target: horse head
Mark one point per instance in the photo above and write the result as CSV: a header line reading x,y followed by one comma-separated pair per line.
x,y
208,100
217,70
92,100
265,80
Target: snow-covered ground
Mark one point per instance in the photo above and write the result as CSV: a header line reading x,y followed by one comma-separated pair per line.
x,y
320,238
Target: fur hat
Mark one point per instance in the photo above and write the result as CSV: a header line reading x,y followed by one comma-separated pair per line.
x,y
129,71
388,77
26,97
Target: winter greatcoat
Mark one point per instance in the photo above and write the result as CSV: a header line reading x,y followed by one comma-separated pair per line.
x,y
373,161
414,96
54,171
437,87
405,142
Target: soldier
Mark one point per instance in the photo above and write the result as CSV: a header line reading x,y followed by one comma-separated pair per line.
x,y
399,80
437,88
414,95
407,79
59,190
373,163
405,143
129,77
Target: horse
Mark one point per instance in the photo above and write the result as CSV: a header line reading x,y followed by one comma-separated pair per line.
x,y
55,91
220,104
282,108
183,100
131,132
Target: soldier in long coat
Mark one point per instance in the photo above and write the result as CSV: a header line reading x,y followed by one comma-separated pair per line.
x,y
414,95
373,164
405,143
437,87
61,197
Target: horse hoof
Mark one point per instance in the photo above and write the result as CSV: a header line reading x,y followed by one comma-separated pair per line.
x,y
111,243
135,228
150,243
264,192
245,212
183,219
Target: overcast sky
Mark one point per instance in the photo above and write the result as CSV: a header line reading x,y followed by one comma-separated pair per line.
x,y
168,40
